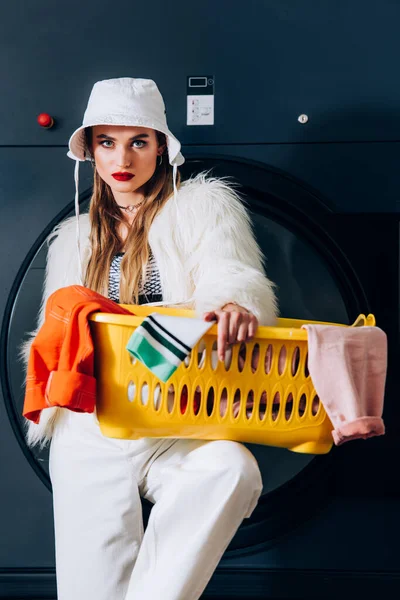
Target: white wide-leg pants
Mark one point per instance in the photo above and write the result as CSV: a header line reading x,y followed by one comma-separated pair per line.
x,y
201,491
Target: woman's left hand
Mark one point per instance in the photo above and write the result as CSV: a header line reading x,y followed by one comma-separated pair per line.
x,y
235,324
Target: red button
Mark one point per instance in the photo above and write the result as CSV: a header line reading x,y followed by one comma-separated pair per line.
x,y
45,120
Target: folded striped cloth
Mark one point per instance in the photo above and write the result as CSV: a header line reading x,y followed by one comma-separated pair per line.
x,y
162,342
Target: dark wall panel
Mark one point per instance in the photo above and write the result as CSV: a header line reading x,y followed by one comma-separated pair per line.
x,y
272,61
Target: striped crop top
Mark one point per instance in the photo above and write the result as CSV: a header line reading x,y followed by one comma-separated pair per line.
x,y
149,290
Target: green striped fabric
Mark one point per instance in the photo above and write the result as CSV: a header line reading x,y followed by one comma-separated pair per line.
x,y
162,342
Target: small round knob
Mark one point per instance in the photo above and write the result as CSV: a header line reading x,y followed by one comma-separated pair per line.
x,y
45,120
303,119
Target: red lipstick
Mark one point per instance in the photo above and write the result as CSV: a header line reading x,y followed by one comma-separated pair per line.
x,y
122,176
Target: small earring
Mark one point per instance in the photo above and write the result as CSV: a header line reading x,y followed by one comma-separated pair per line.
x,y
160,159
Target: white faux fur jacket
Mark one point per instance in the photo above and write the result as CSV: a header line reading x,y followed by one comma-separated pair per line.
x,y
205,251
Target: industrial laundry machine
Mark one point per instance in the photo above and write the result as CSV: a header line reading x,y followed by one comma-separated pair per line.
x,y
319,174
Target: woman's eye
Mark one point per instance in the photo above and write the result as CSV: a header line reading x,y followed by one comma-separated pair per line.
x,y
140,142
134,142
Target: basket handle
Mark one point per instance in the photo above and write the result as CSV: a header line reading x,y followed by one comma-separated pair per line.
x,y
363,321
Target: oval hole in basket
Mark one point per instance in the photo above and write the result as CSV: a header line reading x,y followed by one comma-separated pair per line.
x,y
289,407
214,356
276,405
157,396
255,358
131,391
306,371
302,405
262,407
241,357
315,405
228,358
295,360
249,404
236,404
197,400
268,359
144,394
282,360
133,360
186,362
201,358
210,401
223,402
184,399
171,398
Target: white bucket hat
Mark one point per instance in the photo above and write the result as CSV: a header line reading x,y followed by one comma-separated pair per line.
x,y
122,101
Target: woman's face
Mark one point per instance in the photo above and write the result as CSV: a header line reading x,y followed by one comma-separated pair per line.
x,y
132,150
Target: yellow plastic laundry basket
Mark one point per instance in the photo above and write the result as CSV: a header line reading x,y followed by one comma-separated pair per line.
x,y
263,395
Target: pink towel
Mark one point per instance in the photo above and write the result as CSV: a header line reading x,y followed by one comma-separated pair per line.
x,y
348,369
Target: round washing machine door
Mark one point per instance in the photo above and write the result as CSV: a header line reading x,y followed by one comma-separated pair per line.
x,y
315,281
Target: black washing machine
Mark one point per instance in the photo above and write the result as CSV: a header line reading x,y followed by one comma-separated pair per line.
x,y
328,266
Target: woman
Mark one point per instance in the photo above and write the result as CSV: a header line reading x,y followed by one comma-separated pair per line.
x,y
149,238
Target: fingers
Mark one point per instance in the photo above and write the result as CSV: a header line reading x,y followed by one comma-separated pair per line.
x,y
223,333
253,324
233,327
242,331
210,316
247,328
234,324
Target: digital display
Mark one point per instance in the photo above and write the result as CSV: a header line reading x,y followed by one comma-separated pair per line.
x,y
197,81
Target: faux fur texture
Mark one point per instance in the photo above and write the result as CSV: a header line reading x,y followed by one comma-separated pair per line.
x,y
206,253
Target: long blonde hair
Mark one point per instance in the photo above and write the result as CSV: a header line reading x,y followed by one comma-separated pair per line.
x,y
105,216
